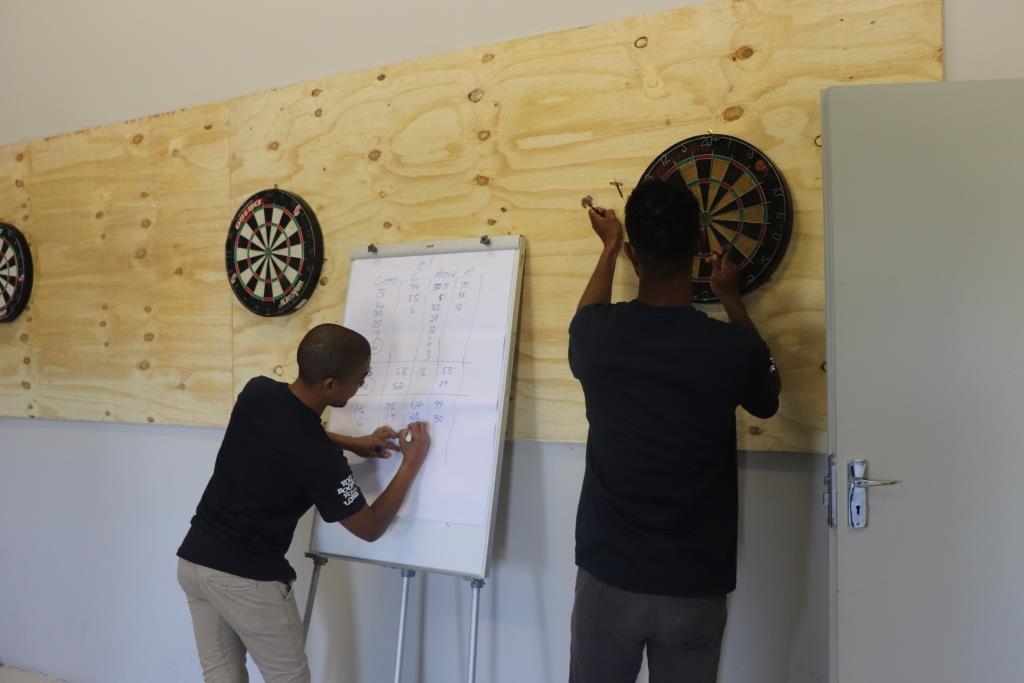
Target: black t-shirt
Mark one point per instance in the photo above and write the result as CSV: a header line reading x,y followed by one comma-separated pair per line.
x,y
658,507
276,461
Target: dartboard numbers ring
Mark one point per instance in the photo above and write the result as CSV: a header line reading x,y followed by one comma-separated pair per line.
x,y
274,253
744,203
15,272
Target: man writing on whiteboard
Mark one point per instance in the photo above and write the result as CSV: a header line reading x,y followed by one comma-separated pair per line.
x,y
275,462
657,517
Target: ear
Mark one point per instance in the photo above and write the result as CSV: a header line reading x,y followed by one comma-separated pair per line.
x,y
327,385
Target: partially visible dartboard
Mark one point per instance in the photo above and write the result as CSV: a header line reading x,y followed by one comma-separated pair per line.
x,y
15,272
744,204
274,253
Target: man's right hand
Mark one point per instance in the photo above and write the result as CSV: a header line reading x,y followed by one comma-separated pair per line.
x,y
414,451
725,277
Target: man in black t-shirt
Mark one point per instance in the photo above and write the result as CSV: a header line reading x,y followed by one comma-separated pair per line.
x,y
657,516
275,462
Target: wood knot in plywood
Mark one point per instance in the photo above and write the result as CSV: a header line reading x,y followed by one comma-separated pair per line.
x,y
318,113
178,271
483,135
745,52
278,370
26,360
137,138
26,385
175,152
23,337
181,386
103,323
374,155
20,157
316,92
151,420
148,309
273,146
208,126
387,225
489,57
141,254
475,95
482,180
756,431
381,77
144,365
99,215
144,195
491,221
149,336
732,113
145,223
641,42
19,183
323,281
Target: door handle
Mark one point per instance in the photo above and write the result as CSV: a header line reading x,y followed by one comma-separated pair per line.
x,y
857,471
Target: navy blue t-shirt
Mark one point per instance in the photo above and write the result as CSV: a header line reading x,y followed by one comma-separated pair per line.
x,y
658,507
275,462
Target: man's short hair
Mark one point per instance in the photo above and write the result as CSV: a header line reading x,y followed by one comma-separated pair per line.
x,y
663,223
330,350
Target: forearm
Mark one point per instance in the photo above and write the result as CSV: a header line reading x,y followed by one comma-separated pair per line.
x,y
737,312
390,500
341,440
599,288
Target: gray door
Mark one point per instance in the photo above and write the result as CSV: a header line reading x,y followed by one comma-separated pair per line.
x,y
925,268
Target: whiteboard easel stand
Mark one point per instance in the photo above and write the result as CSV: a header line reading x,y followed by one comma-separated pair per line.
x,y
476,573
476,585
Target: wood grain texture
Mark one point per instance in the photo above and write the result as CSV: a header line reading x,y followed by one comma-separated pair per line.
x,y
503,139
507,138
129,319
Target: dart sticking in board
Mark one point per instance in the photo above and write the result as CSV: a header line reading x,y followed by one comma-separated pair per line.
x,y
274,252
15,272
744,205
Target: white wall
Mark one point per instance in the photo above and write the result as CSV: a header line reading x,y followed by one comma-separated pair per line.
x,y
90,514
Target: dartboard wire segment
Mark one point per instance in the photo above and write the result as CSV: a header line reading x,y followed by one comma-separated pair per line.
x,y
274,253
745,206
15,272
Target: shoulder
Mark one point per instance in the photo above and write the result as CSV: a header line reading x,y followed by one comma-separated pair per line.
x,y
596,314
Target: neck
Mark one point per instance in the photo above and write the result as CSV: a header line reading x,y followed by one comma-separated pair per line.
x,y
312,398
674,290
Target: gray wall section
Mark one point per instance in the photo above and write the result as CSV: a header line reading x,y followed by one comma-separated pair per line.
x,y
93,514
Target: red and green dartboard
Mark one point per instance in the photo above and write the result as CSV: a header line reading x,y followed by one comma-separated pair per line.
x,y
274,252
15,272
744,204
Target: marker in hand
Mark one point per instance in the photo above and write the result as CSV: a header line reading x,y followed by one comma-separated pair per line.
x,y
408,436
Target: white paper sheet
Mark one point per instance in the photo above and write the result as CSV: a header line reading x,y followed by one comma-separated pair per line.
x,y
438,330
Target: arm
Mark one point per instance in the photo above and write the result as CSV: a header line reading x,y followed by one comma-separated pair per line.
x,y
376,445
609,229
725,283
372,521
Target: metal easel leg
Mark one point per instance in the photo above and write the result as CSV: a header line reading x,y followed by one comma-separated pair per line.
x,y
318,562
475,585
407,575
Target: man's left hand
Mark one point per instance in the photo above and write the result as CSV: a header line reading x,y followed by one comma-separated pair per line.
x,y
376,445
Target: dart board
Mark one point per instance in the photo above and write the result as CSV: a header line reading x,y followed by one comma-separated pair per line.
x,y
15,272
744,204
274,252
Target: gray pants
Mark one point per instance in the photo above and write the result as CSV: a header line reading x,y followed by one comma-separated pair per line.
x,y
611,627
232,615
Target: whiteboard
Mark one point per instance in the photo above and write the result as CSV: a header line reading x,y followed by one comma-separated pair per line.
x,y
441,319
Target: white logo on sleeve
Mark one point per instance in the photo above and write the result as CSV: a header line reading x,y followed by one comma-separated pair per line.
x,y
348,490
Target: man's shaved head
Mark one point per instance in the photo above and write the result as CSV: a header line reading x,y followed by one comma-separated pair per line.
x,y
331,351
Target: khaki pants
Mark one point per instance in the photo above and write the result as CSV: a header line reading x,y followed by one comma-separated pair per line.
x,y
232,615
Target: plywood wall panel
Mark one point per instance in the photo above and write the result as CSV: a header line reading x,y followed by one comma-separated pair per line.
x,y
499,139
